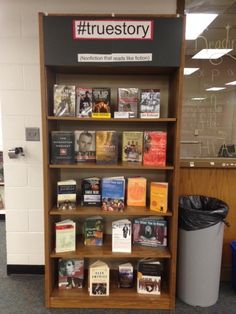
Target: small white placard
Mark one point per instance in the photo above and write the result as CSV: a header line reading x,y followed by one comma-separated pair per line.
x,y
115,57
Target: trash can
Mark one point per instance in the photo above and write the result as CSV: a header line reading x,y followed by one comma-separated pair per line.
x,y
233,247
201,230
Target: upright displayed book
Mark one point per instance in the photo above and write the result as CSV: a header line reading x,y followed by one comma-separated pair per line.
x,y
113,193
106,147
126,275
128,101
85,148
64,100
150,103
62,147
136,191
101,107
149,276
99,279
132,146
155,145
84,102
66,194
121,236
91,192
70,273
159,196
93,230
65,236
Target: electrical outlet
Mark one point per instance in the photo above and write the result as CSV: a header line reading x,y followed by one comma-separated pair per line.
x,y
196,132
32,134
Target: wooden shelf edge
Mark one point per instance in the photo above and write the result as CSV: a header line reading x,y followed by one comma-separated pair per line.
x,y
111,119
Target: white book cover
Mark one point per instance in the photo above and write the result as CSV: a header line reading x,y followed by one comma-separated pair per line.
x,y
65,236
99,279
121,236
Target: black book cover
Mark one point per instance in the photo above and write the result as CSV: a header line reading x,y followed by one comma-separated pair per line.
x,y
62,147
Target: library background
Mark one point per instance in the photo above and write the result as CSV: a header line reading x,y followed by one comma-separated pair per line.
x,y
118,156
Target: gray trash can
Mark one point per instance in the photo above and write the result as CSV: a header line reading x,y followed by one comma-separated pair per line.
x,y
201,230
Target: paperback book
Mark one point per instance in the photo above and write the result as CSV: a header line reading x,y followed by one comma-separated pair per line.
x,y
128,101
106,147
101,107
99,279
66,195
113,193
93,231
132,146
85,148
126,276
62,147
65,236
121,236
159,196
136,191
70,273
155,143
64,100
150,103
91,192
84,102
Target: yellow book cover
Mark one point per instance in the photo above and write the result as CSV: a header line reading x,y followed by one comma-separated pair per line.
x,y
159,196
136,191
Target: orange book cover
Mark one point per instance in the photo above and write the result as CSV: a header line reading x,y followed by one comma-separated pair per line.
x,y
136,191
159,196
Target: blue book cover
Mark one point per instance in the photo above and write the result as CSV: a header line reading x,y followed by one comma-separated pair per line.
x,y
113,193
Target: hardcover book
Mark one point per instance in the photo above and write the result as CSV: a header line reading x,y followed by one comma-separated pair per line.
x,y
126,276
70,273
113,193
85,148
91,192
150,231
128,101
136,191
106,147
99,279
65,236
66,194
62,147
155,143
159,196
150,103
64,100
93,231
121,236
101,103
132,146
84,102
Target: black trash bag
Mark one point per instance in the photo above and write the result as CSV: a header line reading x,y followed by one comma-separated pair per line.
x,y
199,212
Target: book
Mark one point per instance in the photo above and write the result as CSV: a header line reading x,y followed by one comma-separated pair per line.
x,y
99,279
85,149
136,191
121,236
150,103
125,275
150,231
62,147
91,192
159,196
149,272
101,107
65,236
128,101
113,193
84,102
70,273
66,194
106,147
93,231
64,100
132,146
155,143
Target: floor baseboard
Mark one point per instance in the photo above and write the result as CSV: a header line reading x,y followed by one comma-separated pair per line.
x,y
25,269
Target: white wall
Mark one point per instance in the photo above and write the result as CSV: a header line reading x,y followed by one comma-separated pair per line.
x,y
20,100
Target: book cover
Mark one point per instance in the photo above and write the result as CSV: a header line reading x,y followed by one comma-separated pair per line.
x,y
91,192
132,146
101,107
85,147
93,231
70,273
62,147
84,102
121,236
150,231
149,276
65,236
155,143
150,103
106,147
126,275
64,100
113,193
136,191
66,194
99,279
159,196
128,101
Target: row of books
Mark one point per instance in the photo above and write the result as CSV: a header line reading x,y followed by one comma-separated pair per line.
x,y
145,231
149,272
70,100
101,147
110,193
